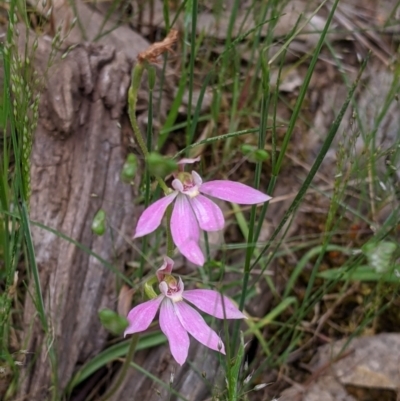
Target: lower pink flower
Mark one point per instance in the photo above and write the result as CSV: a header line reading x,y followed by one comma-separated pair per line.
x,y
178,319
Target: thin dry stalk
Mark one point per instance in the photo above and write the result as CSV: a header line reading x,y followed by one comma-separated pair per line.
x,y
156,49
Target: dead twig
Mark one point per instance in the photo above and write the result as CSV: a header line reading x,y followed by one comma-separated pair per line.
x,y
156,49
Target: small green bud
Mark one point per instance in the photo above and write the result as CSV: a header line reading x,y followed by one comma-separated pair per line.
x,y
160,166
99,222
113,322
254,154
129,168
261,155
247,149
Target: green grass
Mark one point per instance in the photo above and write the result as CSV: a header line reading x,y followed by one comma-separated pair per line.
x,y
246,109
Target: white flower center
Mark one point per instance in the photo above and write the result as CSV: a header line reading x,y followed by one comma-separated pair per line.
x,y
174,293
191,191
186,184
171,288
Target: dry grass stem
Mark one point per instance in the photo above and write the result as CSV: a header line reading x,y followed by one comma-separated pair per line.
x,y
156,49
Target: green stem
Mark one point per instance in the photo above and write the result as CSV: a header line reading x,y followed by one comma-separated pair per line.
x,y
191,69
124,369
137,74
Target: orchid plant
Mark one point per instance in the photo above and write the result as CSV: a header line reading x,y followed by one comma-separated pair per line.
x,y
192,212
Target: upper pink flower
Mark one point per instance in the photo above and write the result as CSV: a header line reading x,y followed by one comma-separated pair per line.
x,y
177,318
193,211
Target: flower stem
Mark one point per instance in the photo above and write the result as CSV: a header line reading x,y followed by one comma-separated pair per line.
x,y
124,369
137,74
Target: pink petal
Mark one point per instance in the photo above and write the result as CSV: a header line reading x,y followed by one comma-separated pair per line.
x,y
185,230
196,178
177,185
165,269
235,192
189,161
177,336
213,303
141,316
208,214
151,218
198,328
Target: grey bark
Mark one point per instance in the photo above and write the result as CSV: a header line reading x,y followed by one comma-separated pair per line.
x,y
78,152
77,157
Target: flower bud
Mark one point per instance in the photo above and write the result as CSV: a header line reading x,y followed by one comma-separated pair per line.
x,y
261,155
113,322
254,154
160,166
99,222
247,149
129,168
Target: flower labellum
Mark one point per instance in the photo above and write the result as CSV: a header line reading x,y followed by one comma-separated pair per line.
x,y
178,318
194,211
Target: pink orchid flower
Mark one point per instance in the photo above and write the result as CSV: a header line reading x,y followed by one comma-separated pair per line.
x,y
193,211
178,318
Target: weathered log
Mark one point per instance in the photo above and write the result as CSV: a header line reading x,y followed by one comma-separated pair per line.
x,y
76,161
77,157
